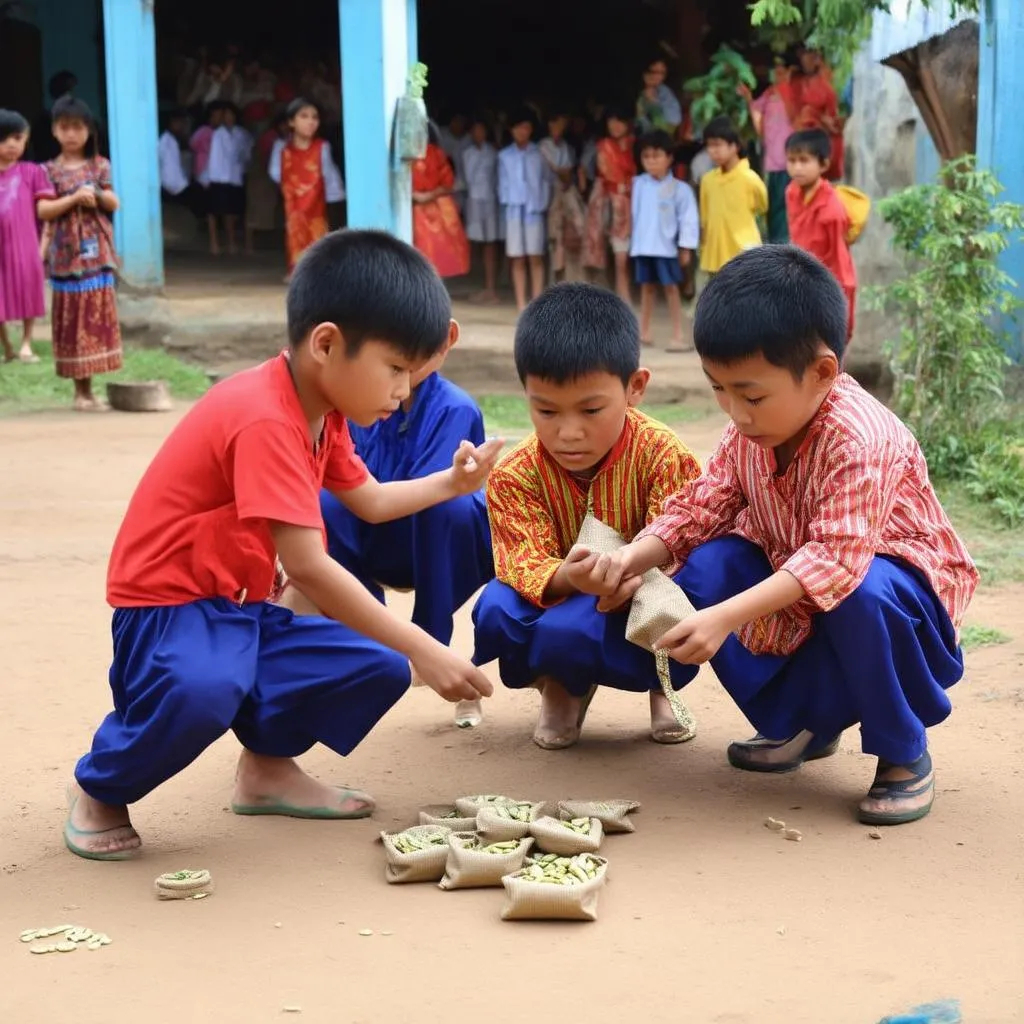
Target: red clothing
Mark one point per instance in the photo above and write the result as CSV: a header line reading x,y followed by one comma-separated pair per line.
x,y
819,222
305,198
857,487
198,523
816,98
536,507
616,166
437,229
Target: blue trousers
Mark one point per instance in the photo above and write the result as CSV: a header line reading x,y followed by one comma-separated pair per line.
x,y
183,675
572,642
443,554
884,657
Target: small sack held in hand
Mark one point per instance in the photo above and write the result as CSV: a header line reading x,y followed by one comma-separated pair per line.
x,y
447,816
473,863
527,898
613,814
416,855
497,822
568,836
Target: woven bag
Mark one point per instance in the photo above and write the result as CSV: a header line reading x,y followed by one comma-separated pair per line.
x,y
447,816
425,865
553,836
527,900
469,866
613,814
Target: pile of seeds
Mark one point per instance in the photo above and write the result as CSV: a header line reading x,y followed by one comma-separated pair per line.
x,y
73,936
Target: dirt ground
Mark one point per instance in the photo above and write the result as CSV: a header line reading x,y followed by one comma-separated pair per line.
x,y
708,917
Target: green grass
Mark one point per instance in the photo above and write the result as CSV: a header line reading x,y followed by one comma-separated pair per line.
x,y
973,637
507,415
997,549
29,388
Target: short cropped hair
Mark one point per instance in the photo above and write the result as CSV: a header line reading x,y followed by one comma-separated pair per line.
x,y
299,104
776,300
573,329
620,112
70,108
812,141
723,129
371,285
657,140
11,123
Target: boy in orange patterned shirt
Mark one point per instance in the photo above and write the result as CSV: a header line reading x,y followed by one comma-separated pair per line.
x,y
577,352
830,583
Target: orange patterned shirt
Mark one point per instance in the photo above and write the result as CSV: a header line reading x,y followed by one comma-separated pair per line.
x,y
536,507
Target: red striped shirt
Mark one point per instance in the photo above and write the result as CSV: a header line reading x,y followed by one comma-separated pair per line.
x,y
857,487
536,507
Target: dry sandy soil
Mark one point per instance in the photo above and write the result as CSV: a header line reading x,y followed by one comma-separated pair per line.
x,y
708,917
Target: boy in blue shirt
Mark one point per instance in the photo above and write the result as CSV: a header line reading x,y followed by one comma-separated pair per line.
x,y
666,228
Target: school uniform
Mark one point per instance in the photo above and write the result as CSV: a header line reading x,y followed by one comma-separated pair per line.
x,y
856,522
230,151
173,179
198,647
480,170
665,220
536,510
442,553
524,191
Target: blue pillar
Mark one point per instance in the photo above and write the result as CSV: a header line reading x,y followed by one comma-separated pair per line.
x,y
130,45
375,51
1000,144
412,29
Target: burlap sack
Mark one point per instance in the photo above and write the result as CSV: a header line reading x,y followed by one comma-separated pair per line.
x,y
553,837
611,813
526,900
494,828
469,806
422,865
447,816
470,867
657,606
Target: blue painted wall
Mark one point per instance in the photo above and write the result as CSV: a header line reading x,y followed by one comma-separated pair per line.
x,y
1000,135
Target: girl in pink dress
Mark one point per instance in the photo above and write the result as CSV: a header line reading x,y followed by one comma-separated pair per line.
x,y
22,185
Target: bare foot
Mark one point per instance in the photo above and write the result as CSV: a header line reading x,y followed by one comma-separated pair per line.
x,y
559,723
647,342
26,355
98,831
468,714
277,785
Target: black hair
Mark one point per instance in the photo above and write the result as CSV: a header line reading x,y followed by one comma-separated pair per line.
x,y
619,111
776,300
573,329
658,140
60,83
520,116
11,123
812,141
723,129
370,285
298,104
70,108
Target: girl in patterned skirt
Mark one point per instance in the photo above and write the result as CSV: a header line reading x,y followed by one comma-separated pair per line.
x,y
83,264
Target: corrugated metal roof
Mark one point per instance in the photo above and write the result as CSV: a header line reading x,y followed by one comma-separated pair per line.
x,y
908,24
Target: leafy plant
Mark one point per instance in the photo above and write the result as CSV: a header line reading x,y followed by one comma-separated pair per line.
x,y
715,92
950,360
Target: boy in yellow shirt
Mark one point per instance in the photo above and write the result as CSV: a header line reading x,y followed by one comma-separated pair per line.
x,y
731,198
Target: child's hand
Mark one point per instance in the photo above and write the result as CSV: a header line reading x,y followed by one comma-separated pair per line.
x,y
86,196
604,576
696,639
471,465
450,676
743,90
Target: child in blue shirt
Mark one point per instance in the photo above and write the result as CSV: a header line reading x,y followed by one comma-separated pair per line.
x,y
666,230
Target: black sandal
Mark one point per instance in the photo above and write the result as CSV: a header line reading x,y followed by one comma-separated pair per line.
x,y
901,790
741,754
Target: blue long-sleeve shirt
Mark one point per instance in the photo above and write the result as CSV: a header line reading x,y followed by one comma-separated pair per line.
x,y
665,217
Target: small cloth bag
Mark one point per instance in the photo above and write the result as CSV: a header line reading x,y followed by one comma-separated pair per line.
x,y
657,606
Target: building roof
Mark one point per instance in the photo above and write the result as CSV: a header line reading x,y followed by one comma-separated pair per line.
x,y
908,24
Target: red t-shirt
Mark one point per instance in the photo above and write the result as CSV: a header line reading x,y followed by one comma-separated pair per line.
x,y
818,223
198,523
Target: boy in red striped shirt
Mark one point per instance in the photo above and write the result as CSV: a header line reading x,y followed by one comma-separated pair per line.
x,y
577,352
829,580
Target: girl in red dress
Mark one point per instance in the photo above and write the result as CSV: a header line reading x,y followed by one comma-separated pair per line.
x,y
437,229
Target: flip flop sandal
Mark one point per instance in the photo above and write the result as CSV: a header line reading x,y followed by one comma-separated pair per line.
x,y
741,753
30,359
572,737
73,838
287,810
901,791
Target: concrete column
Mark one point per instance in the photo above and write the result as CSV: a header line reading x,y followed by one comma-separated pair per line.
x,y
375,50
1000,145
130,45
412,30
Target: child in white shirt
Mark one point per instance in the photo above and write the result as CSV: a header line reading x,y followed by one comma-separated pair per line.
x,y
480,170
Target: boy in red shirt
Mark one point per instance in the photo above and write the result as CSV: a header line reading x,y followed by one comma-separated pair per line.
x,y
230,501
818,220
830,582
